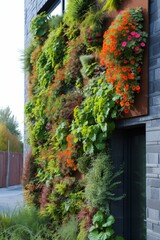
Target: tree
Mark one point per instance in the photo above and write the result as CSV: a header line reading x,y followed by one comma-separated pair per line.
x,y
9,120
5,136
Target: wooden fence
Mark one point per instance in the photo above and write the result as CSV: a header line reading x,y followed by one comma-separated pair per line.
x,y
10,171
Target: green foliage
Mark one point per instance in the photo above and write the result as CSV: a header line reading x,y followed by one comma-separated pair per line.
x,y
24,224
65,145
111,5
26,58
68,231
54,22
102,228
5,136
7,118
83,233
72,62
85,61
94,118
84,163
92,29
76,10
101,181
40,27
55,47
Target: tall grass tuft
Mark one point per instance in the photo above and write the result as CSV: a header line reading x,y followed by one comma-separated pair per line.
x,y
25,224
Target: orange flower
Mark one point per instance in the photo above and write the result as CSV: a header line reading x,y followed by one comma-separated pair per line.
x,y
121,103
127,104
126,87
138,88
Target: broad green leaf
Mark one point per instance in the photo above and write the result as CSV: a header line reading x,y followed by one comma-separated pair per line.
x,y
100,146
93,235
99,218
110,220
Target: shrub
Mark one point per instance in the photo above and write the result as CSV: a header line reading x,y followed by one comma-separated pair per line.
x,y
101,182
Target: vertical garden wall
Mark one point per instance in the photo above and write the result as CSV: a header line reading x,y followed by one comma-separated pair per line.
x,y
84,72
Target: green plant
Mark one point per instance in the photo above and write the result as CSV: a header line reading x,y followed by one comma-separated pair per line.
x,y
26,58
66,144
94,118
72,62
92,29
68,231
111,5
24,224
102,228
85,61
83,232
55,47
76,10
40,27
54,22
84,163
101,181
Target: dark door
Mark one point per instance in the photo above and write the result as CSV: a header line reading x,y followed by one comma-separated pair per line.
x,y
128,146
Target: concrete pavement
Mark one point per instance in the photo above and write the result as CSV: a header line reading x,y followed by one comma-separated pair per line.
x,y
11,198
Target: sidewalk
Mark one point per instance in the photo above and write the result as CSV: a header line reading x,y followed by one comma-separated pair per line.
x,y
11,198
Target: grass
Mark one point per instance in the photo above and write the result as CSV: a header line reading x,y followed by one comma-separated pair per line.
x,y
25,224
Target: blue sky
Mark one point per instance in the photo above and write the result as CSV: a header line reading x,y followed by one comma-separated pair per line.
x,y
11,48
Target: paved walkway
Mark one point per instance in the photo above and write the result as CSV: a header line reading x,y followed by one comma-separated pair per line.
x,y
11,198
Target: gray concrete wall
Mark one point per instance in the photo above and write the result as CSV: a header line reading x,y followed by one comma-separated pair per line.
x,y
31,9
152,122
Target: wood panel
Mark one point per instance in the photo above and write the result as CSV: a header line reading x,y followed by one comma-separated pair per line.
x,y
15,168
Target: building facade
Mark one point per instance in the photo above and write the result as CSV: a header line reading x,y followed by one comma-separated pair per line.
x,y
137,140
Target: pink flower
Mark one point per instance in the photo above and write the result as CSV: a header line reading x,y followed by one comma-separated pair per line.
x,y
133,33
98,35
124,44
136,48
129,37
143,44
137,35
120,12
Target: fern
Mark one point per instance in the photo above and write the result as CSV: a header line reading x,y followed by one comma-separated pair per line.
x,y
54,22
110,5
101,182
76,10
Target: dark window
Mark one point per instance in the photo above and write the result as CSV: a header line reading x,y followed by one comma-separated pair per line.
x,y
128,146
55,7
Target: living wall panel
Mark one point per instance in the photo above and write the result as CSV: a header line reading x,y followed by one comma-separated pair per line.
x,y
141,100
